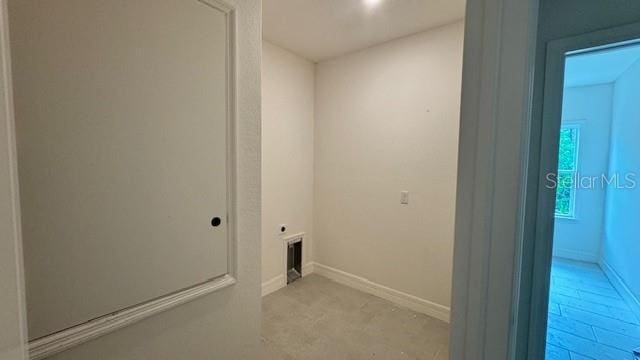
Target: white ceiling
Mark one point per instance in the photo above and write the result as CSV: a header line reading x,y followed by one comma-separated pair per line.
x,y
599,67
322,29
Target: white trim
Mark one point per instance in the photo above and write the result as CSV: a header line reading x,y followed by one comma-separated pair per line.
x,y
621,286
60,341
499,53
218,5
398,297
308,268
278,282
285,243
576,255
293,237
54,343
274,284
231,166
12,301
567,217
231,111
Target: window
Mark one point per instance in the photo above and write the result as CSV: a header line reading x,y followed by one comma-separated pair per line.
x,y
567,171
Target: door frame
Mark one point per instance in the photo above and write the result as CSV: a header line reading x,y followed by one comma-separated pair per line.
x,y
489,307
495,129
547,158
13,335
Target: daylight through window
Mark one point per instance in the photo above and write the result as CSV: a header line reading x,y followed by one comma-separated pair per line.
x,y
567,170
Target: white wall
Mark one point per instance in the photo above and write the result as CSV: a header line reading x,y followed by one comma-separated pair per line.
x,y
621,247
287,154
226,324
589,106
386,120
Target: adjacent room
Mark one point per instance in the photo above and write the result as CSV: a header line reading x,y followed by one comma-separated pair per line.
x,y
594,308
360,121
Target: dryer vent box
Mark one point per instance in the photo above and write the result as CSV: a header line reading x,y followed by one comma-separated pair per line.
x,y
294,261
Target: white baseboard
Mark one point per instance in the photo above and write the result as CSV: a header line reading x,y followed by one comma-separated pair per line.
x,y
57,342
273,284
278,282
308,268
620,286
403,299
576,255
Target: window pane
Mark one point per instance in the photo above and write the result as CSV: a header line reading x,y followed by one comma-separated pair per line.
x,y
568,149
563,194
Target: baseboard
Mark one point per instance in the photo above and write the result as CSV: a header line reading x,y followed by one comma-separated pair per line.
x,y
308,268
52,344
273,284
403,299
620,286
278,282
576,255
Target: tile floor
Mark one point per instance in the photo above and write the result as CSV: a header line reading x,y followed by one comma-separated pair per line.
x,y
588,319
315,318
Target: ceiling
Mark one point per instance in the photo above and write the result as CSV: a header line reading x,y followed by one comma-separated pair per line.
x,y
599,67
322,29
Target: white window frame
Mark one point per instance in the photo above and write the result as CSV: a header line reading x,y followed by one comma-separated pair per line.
x,y
574,173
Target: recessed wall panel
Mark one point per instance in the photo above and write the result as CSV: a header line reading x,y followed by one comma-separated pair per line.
x,y
122,120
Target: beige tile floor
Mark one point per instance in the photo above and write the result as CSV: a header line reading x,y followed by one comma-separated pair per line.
x,y
316,318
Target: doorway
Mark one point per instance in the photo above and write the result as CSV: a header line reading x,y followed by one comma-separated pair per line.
x,y
359,158
591,112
